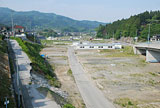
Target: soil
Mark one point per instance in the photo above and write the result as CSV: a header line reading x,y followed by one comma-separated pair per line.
x,y
58,58
123,77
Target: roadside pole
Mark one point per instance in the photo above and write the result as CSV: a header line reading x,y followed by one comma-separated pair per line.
x,y
6,102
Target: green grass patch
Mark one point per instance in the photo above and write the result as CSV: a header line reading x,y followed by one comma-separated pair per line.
x,y
56,42
69,72
127,51
136,75
153,74
39,64
68,106
126,103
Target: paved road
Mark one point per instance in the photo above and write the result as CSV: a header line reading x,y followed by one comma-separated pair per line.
x,y
32,98
155,45
92,96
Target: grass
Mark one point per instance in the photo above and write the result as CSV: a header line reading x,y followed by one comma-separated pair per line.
x,y
153,74
69,72
57,42
136,75
59,99
126,103
127,51
5,80
152,82
39,64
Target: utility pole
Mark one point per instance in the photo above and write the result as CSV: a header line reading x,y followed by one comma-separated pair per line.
x,y
12,25
149,30
136,33
113,36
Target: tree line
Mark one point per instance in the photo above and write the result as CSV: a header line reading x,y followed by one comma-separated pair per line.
x,y
137,25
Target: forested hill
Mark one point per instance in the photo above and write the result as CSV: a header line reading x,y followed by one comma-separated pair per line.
x,y
137,25
35,19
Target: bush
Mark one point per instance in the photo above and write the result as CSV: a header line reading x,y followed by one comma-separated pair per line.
x,y
68,106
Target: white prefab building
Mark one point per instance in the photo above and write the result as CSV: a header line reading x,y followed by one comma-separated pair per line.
x,y
98,46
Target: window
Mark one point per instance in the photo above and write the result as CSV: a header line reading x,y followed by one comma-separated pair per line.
x,y
100,46
109,46
91,47
82,47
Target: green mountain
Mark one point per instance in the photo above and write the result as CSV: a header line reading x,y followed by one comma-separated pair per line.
x,y
35,19
137,25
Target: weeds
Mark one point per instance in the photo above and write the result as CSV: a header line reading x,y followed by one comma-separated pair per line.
x,y
126,52
126,102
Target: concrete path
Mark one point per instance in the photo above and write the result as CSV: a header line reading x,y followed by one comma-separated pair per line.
x,y
92,96
31,97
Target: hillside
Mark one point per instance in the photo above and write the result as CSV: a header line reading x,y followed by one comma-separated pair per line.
x,y
35,19
137,25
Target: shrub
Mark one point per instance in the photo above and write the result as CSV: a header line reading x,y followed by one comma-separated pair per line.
x,y
68,106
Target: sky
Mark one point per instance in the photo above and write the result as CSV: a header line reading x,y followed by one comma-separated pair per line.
x,y
95,10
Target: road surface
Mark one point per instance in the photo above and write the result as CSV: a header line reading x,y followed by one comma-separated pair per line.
x,y
92,96
31,97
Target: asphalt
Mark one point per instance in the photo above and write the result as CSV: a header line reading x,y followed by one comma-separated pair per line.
x,y
92,96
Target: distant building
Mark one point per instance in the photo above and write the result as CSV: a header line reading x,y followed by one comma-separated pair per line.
x,y
4,30
155,38
52,38
19,29
87,45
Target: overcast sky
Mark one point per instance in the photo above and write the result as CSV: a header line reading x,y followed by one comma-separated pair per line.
x,y
99,10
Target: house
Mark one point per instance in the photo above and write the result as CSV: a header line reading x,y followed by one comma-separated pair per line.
x,y
4,30
86,45
19,29
155,38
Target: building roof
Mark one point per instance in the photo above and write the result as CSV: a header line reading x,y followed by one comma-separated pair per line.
x,y
99,44
18,27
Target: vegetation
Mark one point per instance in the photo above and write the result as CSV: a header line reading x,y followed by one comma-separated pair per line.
x,y
126,103
38,20
48,33
68,106
5,80
69,72
39,64
137,25
127,51
56,42
153,74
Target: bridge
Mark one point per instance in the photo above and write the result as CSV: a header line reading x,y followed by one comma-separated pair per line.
x,y
150,50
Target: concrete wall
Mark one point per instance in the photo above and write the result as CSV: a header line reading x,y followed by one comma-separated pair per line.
x,y
152,56
139,51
